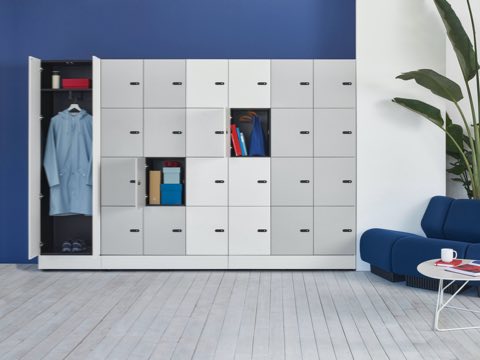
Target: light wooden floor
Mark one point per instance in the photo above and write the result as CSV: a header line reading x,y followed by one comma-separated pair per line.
x,y
223,315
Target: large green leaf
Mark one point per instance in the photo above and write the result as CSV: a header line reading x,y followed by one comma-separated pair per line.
x,y
458,37
455,131
457,169
428,111
436,83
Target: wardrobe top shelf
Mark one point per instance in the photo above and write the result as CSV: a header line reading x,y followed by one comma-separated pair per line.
x,y
66,90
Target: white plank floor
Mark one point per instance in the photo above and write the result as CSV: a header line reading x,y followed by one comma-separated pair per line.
x,y
224,315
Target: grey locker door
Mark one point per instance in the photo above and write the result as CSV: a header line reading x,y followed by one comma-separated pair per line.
x,y
249,231
164,230
122,232
292,132
164,83
334,84
207,230
249,182
207,182
119,182
292,230
164,133
122,132
334,132
292,182
334,231
292,83
206,133
122,84
334,182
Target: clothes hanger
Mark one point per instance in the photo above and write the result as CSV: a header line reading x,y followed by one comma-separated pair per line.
x,y
248,117
74,108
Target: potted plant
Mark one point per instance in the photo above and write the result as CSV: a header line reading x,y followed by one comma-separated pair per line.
x,y
463,142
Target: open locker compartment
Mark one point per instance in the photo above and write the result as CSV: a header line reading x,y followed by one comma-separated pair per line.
x,y
243,121
48,233
159,164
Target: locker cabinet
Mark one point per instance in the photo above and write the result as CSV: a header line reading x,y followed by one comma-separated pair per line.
x,y
292,132
207,83
334,83
122,132
164,132
249,231
334,230
292,182
292,83
334,133
122,231
123,182
292,230
206,133
249,182
164,83
164,232
207,182
249,85
334,181
122,83
207,231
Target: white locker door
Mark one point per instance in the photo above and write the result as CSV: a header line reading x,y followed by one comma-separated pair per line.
x,y
140,195
206,133
292,83
207,231
249,182
249,84
122,83
164,132
164,83
34,156
207,83
249,231
334,132
207,182
334,84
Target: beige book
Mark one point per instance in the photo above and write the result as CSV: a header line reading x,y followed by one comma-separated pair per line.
x,y
155,178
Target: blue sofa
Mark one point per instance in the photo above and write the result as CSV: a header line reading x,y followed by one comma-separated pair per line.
x,y
447,223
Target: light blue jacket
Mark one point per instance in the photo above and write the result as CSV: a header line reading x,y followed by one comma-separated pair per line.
x,y
68,163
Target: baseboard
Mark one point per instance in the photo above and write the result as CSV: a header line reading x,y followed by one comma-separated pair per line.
x,y
390,276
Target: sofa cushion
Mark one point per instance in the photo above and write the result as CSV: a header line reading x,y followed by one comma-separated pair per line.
x,y
408,252
473,252
462,221
435,215
376,247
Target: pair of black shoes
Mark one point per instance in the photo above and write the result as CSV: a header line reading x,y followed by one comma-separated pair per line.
x,y
74,246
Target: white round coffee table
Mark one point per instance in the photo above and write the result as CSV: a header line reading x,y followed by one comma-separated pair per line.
x,y
428,268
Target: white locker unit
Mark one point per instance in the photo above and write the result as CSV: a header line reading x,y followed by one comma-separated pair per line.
x,y
293,207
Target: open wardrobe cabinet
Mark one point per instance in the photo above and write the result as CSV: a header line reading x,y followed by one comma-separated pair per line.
x,y
193,164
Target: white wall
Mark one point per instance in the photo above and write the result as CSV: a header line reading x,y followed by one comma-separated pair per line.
x,y
453,71
401,161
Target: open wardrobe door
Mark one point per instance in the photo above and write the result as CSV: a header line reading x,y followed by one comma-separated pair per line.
x,y
34,157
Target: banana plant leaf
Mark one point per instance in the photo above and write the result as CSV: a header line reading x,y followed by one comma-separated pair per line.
x,y
428,111
436,83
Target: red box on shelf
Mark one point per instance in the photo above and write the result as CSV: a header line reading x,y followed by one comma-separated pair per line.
x,y
80,83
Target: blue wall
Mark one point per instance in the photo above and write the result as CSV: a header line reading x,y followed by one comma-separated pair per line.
x,y
66,29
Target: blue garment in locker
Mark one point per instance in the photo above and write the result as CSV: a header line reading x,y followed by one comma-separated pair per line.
x,y
68,163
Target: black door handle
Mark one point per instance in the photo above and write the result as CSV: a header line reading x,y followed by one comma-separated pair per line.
x,y
177,230
132,181
262,181
219,83
346,83
261,83
219,181
262,230
304,83
346,132
135,230
176,132
347,181
177,83
304,181
304,132
134,83
219,132
347,230
304,230
220,230
134,132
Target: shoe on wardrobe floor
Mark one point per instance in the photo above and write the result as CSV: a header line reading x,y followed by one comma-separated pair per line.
x,y
78,245
67,246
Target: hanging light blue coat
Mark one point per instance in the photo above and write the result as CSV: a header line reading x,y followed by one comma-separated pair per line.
x,y
68,163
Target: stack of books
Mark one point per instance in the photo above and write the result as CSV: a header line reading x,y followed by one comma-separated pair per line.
x,y
470,269
238,141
